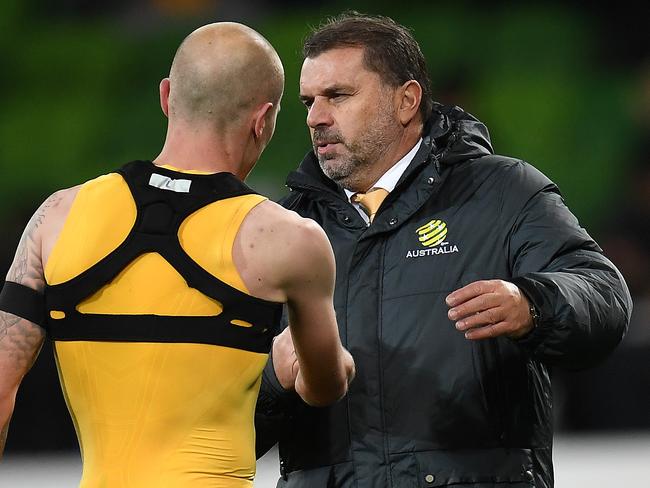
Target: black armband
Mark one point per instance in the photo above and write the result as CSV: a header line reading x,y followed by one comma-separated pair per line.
x,y
23,302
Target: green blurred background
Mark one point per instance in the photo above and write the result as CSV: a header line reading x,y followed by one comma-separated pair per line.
x,y
80,91
561,85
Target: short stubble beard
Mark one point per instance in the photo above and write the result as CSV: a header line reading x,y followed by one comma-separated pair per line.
x,y
353,169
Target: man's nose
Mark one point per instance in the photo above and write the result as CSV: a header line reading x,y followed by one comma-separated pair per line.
x,y
319,113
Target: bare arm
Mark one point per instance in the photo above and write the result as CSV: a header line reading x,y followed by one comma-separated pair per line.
x,y
20,339
295,265
324,366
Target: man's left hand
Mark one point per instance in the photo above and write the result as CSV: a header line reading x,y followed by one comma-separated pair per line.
x,y
490,308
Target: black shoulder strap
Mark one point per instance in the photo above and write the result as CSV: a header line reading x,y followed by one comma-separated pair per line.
x,y
23,302
164,199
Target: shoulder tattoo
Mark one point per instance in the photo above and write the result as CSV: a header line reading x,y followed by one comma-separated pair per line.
x,y
27,268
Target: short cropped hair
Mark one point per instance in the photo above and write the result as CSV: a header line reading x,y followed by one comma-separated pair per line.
x,y
390,49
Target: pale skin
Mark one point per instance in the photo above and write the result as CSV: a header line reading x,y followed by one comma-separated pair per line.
x,y
296,263
344,100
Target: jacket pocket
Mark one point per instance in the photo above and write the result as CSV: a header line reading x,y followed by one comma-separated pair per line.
x,y
476,468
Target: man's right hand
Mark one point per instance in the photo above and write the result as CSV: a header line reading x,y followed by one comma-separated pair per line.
x,y
285,361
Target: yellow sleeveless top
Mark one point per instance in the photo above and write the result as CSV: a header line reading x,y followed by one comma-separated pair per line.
x,y
156,414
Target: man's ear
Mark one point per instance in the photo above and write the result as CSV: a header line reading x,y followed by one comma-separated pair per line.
x,y
259,119
408,100
164,96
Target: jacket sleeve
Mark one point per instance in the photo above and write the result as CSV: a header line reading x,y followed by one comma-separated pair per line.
x,y
271,412
582,299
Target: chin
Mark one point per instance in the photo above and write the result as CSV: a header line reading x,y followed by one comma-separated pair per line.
x,y
330,170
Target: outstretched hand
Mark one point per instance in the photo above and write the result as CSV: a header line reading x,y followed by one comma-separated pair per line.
x,y
285,361
490,308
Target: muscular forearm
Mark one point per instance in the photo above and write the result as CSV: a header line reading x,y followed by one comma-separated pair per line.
x,y
20,342
323,386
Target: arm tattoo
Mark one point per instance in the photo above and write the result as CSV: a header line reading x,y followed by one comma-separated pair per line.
x,y
20,343
7,321
27,268
20,340
19,269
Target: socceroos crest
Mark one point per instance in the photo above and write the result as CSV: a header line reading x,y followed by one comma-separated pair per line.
x,y
432,237
432,233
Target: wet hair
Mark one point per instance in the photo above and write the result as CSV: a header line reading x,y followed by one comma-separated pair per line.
x,y
390,49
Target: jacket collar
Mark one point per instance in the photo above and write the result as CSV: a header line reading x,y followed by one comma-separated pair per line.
x,y
451,136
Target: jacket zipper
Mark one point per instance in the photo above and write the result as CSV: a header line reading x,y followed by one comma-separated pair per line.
x,y
380,293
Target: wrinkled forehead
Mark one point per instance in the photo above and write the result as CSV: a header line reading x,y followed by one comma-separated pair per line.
x,y
339,66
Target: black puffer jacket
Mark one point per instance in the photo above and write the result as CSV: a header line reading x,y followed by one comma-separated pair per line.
x,y
429,408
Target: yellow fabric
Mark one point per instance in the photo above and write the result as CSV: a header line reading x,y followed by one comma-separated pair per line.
x,y
371,201
156,414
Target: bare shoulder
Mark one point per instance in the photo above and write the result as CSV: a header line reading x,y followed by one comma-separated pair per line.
x,y
56,205
27,266
55,212
286,228
66,196
278,249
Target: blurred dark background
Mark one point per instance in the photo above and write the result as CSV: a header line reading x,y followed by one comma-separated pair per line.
x,y
563,85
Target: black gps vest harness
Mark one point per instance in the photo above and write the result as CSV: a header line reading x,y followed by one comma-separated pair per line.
x,y
164,199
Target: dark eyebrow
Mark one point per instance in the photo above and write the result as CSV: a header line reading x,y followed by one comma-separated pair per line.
x,y
328,92
336,89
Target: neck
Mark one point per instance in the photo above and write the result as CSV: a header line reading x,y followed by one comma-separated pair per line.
x,y
201,149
